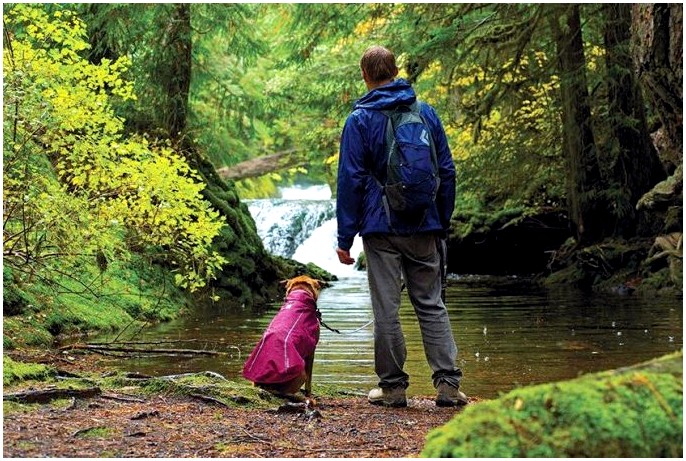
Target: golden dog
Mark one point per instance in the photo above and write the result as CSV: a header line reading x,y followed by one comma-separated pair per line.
x,y
283,359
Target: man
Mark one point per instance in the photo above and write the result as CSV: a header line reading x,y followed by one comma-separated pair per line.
x,y
393,252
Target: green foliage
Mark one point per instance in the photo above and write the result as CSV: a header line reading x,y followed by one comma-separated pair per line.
x,y
634,414
14,300
510,155
13,372
472,217
90,188
121,299
257,188
75,186
242,107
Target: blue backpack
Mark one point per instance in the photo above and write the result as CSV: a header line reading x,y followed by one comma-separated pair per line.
x,y
412,178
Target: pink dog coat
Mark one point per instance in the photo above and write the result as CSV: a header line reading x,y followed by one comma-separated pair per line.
x,y
291,336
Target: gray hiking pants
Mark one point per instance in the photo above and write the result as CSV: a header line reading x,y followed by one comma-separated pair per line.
x,y
417,258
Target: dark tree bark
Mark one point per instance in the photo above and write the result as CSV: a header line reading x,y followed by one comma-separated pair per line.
x,y
585,186
657,31
177,69
47,395
637,167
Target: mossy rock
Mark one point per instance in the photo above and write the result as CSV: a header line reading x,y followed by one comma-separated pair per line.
x,y
14,300
13,372
635,412
505,241
251,276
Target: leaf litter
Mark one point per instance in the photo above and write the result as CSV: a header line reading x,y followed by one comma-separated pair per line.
x,y
172,425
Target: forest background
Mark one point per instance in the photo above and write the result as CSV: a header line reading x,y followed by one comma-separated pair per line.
x,y
126,125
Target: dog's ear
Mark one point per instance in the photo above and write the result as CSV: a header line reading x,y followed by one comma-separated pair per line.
x,y
315,284
283,282
323,283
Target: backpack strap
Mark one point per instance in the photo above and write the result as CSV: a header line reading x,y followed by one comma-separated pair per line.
x,y
415,108
389,145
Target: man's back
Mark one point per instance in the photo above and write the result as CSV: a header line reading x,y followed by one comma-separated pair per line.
x,y
362,159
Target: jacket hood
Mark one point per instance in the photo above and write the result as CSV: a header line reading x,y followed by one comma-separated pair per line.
x,y
301,297
397,92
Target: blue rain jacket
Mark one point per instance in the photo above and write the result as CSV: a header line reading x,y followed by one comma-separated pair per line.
x,y
359,207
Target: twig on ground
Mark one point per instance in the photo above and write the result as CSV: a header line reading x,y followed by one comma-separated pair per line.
x,y
122,398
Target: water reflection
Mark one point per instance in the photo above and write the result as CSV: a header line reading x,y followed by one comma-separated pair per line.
x,y
509,333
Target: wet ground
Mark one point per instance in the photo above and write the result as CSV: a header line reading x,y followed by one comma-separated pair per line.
x,y
123,423
173,427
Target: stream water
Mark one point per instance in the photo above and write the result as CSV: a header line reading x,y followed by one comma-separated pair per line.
x,y
509,332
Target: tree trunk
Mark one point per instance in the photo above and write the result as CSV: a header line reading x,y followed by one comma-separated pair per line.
x,y
585,187
177,69
259,166
636,166
47,395
657,31
250,276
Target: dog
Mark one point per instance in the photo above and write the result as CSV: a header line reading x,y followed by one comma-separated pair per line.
x,y
283,359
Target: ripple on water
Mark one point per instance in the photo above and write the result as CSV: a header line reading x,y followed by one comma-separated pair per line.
x,y
507,335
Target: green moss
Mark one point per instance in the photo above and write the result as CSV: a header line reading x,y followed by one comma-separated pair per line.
x,y
231,393
123,294
633,413
14,300
468,221
254,188
662,282
9,408
13,372
99,432
252,275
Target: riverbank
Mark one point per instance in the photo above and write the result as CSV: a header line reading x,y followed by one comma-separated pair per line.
x,y
626,412
139,417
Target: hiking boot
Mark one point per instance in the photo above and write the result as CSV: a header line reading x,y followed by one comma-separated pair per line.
x,y
450,396
388,396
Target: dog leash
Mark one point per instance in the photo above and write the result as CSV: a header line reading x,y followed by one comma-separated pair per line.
x,y
361,328
319,317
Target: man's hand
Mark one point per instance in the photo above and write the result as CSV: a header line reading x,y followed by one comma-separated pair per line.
x,y
344,256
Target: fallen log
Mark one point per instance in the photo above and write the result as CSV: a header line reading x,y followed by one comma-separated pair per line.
x,y
122,398
47,395
208,399
259,166
631,412
108,349
209,374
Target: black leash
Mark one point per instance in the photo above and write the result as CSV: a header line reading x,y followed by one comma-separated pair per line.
x,y
319,317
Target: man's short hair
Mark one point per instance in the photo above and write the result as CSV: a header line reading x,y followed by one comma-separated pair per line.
x,y
379,64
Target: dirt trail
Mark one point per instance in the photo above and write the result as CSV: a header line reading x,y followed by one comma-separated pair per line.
x,y
180,426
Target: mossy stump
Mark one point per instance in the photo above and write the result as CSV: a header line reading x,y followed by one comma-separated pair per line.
x,y
635,412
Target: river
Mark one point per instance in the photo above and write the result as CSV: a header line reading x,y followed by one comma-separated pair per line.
x,y
509,331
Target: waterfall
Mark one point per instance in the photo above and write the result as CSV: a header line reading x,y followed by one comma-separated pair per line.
x,y
301,225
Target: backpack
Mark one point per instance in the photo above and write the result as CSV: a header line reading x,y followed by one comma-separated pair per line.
x,y
412,178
